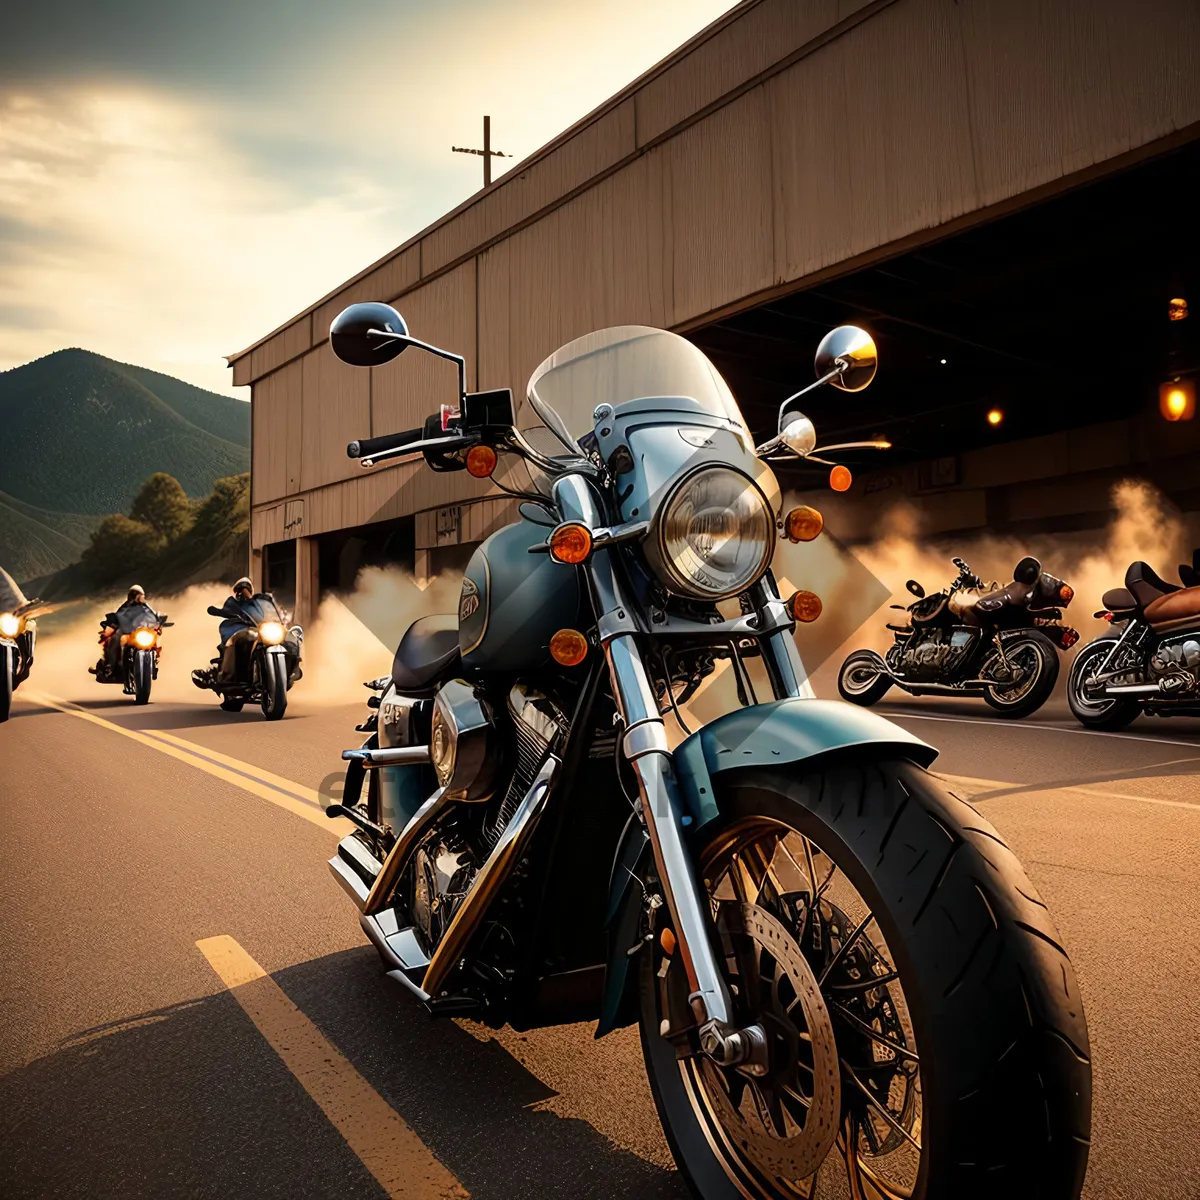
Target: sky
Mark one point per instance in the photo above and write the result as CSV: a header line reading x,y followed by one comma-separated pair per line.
x,y
177,179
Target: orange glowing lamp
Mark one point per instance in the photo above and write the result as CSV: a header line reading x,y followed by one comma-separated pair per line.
x,y
571,543
804,606
803,524
1066,593
481,461
840,479
1177,399
568,647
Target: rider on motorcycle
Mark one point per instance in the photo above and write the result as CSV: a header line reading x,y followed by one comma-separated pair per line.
x,y
134,598
243,606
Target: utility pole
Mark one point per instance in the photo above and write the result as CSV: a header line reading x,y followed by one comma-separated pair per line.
x,y
487,152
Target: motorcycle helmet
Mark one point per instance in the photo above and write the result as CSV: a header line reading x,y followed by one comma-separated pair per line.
x,y
136,592
245,583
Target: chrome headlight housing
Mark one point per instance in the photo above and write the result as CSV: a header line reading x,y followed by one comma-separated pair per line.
x,y
144,638
714,535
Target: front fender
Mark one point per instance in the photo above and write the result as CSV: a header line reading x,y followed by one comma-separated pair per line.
x,y
781,733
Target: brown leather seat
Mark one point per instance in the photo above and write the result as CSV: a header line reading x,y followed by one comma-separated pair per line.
x,y
1175,610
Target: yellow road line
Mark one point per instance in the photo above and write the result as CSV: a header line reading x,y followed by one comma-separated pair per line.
x,y
979,787
297,799
388,1148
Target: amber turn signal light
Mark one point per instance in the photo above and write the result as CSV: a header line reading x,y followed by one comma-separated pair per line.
x,y
803,524
568,647
481,461
1065,593
571,543
804,606
840,479
666,939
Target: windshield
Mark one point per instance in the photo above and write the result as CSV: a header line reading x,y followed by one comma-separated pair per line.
x,y
629,362
136,616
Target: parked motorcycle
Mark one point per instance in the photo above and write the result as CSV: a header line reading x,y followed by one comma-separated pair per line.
x,y
137,629
18,634
1152,665
828,955
1000,643
260,661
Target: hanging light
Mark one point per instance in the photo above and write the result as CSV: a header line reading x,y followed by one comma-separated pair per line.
x,y
1177,399
1177,309
995,417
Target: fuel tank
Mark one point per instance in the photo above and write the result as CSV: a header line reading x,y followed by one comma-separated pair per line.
x,y
513,602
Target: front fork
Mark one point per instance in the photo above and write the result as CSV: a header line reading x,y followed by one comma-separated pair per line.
x,y
646,749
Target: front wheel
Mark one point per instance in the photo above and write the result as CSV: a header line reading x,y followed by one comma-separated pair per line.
x,y
274,679
863,678
8,670
1086,700
1026,675
924,1031
143,676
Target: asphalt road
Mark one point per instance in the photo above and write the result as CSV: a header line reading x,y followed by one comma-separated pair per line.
x,y
155,857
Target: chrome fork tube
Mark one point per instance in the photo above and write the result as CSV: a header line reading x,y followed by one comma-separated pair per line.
x,y
645,746
785,668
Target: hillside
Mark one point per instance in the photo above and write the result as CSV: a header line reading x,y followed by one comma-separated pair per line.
x,y
82,432
35,541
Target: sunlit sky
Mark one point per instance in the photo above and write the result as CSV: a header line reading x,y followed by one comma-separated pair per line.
x,y
178,179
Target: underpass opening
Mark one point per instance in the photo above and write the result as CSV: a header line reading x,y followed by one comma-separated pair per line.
x,y
1020,362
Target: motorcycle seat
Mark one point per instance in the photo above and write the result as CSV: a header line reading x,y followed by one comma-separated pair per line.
x,y
1176,610
1145,586
1118,600
427,655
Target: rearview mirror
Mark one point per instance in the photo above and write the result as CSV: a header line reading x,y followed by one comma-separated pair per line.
x,y
368,334
848,354
916,589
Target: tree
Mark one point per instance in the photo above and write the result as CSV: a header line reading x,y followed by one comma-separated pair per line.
x,y
163,505
121,546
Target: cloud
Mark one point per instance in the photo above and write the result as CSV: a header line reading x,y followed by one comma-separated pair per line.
x,y
175,181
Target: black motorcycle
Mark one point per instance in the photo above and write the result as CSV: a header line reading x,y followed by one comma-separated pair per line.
x,y
18,633
259,662
1001,643
1152,665
837,968
130,638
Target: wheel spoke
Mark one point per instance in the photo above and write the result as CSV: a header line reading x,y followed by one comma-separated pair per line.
x,y
844,949
864,985
874,1034
881,1109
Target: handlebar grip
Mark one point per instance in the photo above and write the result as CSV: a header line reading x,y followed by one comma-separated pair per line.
x,y
365,447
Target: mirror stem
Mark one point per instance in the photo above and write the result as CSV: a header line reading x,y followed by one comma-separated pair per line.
x,y
408,340
812,387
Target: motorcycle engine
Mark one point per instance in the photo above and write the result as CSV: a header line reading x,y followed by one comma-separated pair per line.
x,y
936,654
444,872
1176,666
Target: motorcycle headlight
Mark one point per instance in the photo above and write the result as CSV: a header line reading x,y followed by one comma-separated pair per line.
x,y
10,625
271,633
144,639
715,535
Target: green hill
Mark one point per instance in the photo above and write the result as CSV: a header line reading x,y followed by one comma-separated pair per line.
x,y
81,435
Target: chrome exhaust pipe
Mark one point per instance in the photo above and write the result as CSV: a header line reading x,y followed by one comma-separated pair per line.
x,y
395,756
1134,689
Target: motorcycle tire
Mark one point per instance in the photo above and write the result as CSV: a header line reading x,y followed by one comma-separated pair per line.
x,y
964,951
854,683
7,671
1030,642
274,679
1110,714
232,705
143,676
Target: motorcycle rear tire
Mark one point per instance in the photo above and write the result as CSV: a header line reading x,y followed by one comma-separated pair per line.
x,y
143,676
8,666
1043,686
996,1014
869,693
274,679
1119,711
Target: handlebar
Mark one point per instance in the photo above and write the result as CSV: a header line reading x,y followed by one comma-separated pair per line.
x,y
367,447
